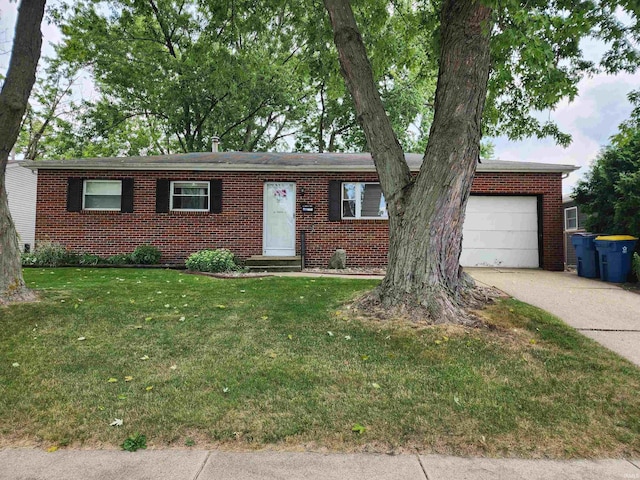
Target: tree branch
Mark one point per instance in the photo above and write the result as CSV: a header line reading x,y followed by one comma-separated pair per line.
x,y
387,153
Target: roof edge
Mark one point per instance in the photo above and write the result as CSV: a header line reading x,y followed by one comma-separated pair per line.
x,y
511,167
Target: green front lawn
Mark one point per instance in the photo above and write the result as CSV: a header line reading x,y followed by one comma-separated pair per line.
x,y
280,363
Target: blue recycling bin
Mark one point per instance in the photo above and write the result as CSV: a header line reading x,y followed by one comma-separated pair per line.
x,y
615,253
586,255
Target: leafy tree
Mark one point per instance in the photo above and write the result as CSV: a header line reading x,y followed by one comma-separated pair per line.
x,y
516,56
193,70
46,112
14,96
256,74
402,68
610,193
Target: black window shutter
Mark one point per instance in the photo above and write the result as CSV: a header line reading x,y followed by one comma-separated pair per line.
x,y
162,196
126,201
335,200
216,196
74,194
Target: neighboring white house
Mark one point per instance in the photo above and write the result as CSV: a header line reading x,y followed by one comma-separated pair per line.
x,y
21,184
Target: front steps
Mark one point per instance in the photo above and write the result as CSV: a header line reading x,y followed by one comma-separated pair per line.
x,y
260,263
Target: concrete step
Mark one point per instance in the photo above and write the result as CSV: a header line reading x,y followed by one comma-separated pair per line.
x,y
274,268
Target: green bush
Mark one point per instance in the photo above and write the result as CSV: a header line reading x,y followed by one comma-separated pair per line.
x,y
635,266
90,259
28,259
50,255
119,259
220,260
146,255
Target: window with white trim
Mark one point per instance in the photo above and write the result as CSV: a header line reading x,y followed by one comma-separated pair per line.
x,y
190,196
102,195
571,218
363,200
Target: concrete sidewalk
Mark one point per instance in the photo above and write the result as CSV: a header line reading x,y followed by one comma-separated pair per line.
x,y
33,464
600,310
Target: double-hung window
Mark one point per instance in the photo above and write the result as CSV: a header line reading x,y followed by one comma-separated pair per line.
x,y
571,218
102,195
363,200
190,196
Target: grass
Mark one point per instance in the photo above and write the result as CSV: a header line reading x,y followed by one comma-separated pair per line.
x,y
280,363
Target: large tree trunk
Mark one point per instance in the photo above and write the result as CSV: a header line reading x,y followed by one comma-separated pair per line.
x,y
426,213
14,96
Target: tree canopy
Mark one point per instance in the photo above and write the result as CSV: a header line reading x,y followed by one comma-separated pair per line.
x,y
610,192
258,75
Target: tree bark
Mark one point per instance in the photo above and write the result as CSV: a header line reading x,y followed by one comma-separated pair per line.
x,y
14,97
426,213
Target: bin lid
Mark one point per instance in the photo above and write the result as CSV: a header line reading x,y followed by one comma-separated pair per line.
x,y
613,238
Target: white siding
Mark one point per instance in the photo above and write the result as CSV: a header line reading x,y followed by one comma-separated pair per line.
x,y
21,186
500,232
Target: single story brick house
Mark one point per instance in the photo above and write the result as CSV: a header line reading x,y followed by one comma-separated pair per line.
x,y
259,204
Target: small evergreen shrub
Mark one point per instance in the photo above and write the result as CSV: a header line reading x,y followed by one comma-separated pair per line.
x,y
146,255
635,266
50,255
220,260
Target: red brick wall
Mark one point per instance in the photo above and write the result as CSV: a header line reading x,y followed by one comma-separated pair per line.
x,y
239,226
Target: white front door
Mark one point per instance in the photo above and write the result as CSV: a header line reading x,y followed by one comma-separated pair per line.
x,y
279,229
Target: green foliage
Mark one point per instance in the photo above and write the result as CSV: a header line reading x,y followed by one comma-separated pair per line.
x,y
45,130
54,255
135,442
146,255
90,259
635,266
610,192
120,259
48,254
538,58
280,77
220,260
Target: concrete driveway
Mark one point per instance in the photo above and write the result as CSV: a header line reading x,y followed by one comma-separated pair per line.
x,y
599,310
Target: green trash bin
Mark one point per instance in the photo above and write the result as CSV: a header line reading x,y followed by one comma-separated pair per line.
x,y
615,253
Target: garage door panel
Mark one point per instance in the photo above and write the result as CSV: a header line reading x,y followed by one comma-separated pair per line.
x,y
472,257
501,231
501,221
527,240
478,203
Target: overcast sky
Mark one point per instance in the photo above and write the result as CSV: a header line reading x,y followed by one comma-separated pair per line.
x,y
590,119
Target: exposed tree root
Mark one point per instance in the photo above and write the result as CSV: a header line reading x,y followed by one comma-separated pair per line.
x,y
18,295
435,306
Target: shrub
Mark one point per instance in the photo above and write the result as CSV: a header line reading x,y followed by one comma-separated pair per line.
x,y
146,255
28,259
635,266
90,259
119,259
220,260
50,255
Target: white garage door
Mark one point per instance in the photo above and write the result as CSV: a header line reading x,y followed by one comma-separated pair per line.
x,y
500,232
